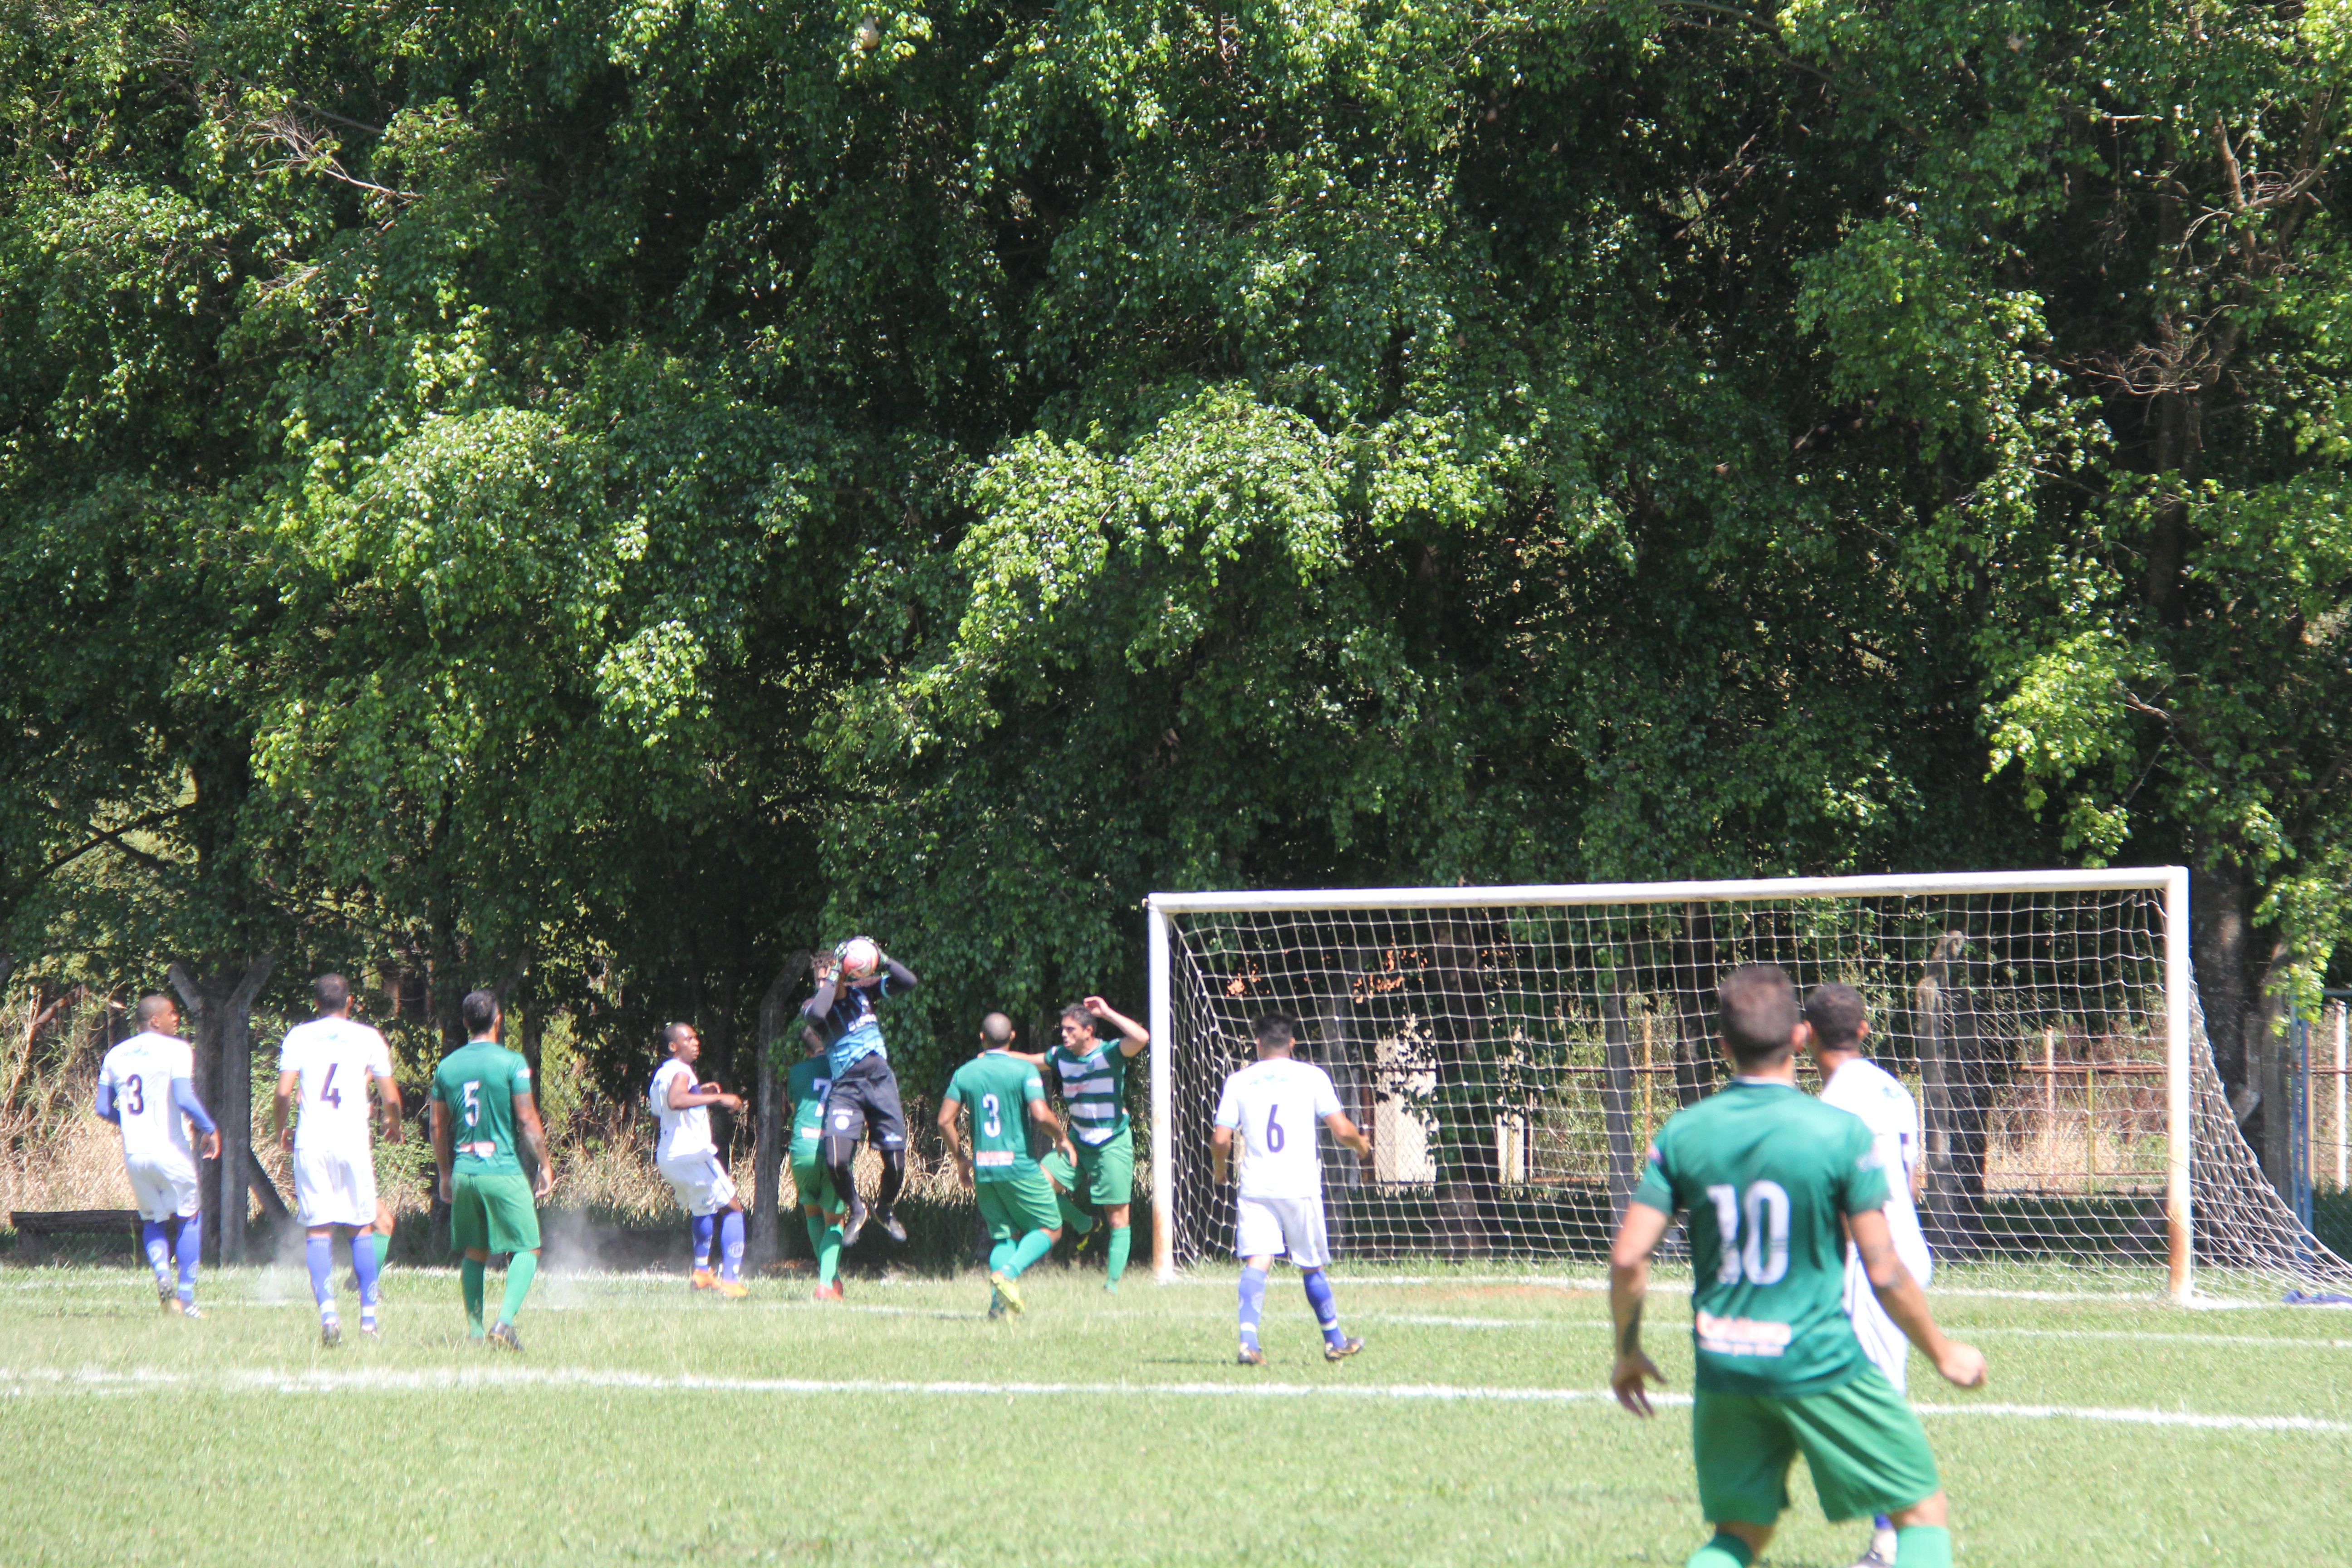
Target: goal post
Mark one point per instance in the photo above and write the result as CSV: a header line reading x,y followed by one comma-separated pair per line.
x,y
1511,1050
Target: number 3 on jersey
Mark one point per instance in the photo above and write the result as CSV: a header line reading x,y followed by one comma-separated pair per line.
x,y
990,1122
1763,1255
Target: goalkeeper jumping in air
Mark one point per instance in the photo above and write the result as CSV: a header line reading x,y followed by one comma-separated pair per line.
x,y
851,981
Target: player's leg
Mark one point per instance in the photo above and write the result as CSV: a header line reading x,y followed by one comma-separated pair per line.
x,y
188,1246
385,1221
888,1124
1111,1186
720,1192
1310,1248
367,1265
1065,1179
687,1187
999,1216
1869,1455
845,1125
1036,1218
469,1236
1889,1350
1257,1237
158,1203
1742,1450
514,1230
155,1239
824,1212
318,1251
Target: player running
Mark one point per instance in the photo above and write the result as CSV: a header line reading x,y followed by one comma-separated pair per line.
x,y
1094,1092
330,1061
1275,1104
1004,1094
822,1207
146,1086
1852,1081
689,1162
482,1096
851,982
1766,1172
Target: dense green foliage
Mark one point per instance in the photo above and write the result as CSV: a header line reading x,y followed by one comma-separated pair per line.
x,y
620,494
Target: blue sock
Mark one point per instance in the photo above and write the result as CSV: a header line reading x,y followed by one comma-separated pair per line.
x,y
365,1265
1326,1311
704,1225
190,1247
318,1251
731,1243
158,1242
1253,1304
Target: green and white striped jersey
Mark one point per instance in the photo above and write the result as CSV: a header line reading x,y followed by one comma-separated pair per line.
x,y
1095,1090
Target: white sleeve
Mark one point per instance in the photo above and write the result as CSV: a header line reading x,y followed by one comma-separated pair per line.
x,y
1327,1097
1228,1111
286,1053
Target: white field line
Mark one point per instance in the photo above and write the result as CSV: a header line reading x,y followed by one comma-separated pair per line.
x,y
23,1380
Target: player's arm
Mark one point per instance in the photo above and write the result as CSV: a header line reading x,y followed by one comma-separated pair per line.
x,y
1043,1115
902,979
106,1109
951,1125
1962,1366
289,1081
444,1152
534,1138
387,1100
1347,1132
1638,1234
827,970
685,1094
185,1101
1134,1036
1221,1153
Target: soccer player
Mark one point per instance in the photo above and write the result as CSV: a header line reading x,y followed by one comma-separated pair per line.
x,y
146,1086
1005,1093
481,1099
330,1062
821,1207
1766,1172
1273,1103
865,1093
1094,1091
689,1162
1835,1018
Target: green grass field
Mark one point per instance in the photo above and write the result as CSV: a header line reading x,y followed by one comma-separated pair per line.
x,y
644,1425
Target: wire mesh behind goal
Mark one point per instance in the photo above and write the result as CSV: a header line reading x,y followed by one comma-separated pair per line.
x,y
1511,1063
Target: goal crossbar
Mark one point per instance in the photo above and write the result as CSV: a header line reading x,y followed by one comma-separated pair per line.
x,y
2171,881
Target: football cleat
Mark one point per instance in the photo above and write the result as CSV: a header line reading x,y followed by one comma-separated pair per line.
x,y
1874,1558
1342,1351
829,1291
188,1309
1009,1291
1250,1356
368,1327
503,1334
733,1290
889,1221
703,1279
330,1335
165,1297
996,1308
854,1225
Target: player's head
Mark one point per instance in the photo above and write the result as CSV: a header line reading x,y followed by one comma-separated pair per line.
x,y
332,993
1759,1015
159,1014
479,1012
683,1042
813,1038
1276,1035
1835,1015
995,1032
1077,1027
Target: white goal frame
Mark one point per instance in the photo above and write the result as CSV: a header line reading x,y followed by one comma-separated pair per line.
x,y
2172,881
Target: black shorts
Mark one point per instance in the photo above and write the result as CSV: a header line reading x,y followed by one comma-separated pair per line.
x,y
864,1100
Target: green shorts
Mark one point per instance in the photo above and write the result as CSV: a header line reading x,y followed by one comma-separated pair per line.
x,y
493,1210
812,1184
1104,1175
1865,1449
1013,1209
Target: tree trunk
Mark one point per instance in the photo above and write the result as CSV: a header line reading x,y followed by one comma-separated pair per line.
x,y
763,1246
220,1006
1617,1098
2232,959
1467,1176
1950,1202
1693,984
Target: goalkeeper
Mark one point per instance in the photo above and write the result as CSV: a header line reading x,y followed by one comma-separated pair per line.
x,y
851,982
1765,1173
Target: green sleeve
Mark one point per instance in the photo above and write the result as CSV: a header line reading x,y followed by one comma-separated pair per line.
x,y
1657,1188
1862,1172
1032,1088
435,1092
955,1087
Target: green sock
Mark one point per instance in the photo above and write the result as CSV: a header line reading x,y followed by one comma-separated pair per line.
x,y
1073,1216
1725,1550
1923,1546
1000,1256
1033,1245
382,1249
825,1240
519,1274
470,1279
1121,1239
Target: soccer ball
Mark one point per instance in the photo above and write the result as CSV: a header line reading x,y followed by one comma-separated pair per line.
x,y
859,957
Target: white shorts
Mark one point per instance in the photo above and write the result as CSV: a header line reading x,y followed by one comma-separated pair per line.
x,y
1263,1226
334,1187
701,1184
1882,1340
162,1188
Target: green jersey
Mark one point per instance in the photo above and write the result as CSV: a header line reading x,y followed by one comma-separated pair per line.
x,y
808,1083
479,1082
1765,1172
1095,1088
998,1089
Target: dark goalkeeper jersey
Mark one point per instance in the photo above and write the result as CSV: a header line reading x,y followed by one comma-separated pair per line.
x,y
1765,1172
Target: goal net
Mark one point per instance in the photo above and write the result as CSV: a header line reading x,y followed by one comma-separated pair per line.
x,y
1511,1051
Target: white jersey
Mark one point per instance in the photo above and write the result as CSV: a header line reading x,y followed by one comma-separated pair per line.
x,y
1275,1106
1878,1097
684,1133
336,1057
139,1074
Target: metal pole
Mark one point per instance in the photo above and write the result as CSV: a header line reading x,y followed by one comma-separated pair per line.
x,y
1156,938
2180,1224
2342,1141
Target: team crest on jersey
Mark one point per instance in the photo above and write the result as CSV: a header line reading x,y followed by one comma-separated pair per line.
x,y
841,1119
